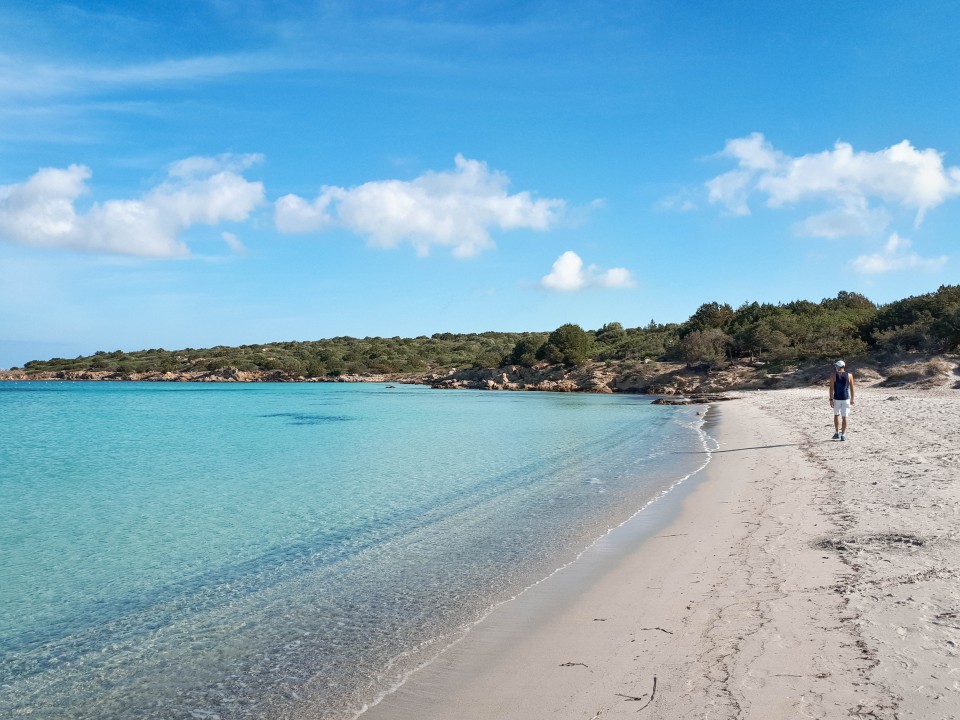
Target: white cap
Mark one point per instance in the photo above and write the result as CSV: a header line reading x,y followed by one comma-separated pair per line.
x,y
840,363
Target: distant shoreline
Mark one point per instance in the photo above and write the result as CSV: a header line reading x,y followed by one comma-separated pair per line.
x,y
651,378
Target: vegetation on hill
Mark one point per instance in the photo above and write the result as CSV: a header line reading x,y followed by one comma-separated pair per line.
x,y
844,326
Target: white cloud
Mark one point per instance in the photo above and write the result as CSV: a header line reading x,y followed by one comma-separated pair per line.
x,y
41,212
293,214
859,188
204,166
616,278
457,209
845,221
896,255
568,274
234,243
23,77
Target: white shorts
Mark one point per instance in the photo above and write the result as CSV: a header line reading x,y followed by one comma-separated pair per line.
x,y
841,407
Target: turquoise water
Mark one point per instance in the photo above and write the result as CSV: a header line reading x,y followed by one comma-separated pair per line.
x,y
289,550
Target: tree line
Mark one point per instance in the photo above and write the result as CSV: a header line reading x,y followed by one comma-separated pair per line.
x,y
843,326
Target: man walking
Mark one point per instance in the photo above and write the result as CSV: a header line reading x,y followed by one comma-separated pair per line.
x,y
841,398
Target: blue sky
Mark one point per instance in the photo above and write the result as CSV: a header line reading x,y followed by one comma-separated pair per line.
x,y
187,174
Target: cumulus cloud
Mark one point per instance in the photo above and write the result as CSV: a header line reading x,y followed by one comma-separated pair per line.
x,y
859,188
569,274
457,209
42,211
896,255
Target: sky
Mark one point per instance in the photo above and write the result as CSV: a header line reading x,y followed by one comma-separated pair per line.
x,y
226,172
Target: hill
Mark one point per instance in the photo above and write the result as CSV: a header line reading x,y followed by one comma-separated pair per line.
x,y
751,345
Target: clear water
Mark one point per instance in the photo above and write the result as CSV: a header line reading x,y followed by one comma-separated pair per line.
x,y
288,550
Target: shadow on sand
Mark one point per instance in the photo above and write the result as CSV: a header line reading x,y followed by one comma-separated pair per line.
x,y
757,447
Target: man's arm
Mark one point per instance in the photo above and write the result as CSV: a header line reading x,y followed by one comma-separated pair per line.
x,y
851,387
833,383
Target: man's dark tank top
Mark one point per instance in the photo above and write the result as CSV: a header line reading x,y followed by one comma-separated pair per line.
x,y
841,386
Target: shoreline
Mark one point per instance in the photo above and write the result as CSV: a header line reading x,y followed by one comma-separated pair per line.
x,y
584,651
761,598
550,593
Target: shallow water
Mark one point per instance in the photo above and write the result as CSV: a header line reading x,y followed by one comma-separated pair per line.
x,y
288,550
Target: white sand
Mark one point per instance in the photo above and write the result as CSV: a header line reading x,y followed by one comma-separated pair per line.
x,y
803,578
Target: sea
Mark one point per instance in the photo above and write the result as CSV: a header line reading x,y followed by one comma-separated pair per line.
x,y
227,551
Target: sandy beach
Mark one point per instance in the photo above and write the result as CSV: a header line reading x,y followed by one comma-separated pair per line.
x,y
801,578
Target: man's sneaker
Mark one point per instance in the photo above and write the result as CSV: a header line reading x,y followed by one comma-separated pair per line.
x,y
843,437
836,436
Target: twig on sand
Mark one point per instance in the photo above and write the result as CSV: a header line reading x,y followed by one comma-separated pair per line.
x,y
573,664
653,693
633,698
658,628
